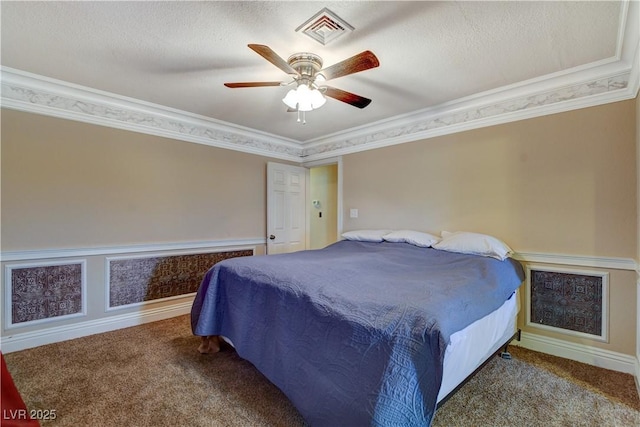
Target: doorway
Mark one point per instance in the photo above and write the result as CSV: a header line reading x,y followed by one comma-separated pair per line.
x,y
324,204
303,205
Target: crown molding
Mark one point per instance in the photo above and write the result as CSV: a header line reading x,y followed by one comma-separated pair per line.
x,y
611,80
467,114
41,95
33,93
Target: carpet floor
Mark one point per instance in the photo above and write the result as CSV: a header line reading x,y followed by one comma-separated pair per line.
x,y
152,375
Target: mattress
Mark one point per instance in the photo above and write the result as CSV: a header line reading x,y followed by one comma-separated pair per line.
x,y
470,347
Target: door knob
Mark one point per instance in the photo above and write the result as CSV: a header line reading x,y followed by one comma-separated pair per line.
x,y
272,237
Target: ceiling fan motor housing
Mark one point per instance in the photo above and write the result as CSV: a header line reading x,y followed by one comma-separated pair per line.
x,y
305,63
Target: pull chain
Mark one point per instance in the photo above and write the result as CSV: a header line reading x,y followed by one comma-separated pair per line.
x,y
304,117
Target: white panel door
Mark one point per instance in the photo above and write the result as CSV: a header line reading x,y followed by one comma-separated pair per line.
x,y
286,208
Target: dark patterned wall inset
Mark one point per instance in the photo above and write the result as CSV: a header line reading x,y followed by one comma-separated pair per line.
x,y
136,280
44,292
567,301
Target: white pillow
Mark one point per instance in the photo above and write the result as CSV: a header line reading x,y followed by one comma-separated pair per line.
x,y
475,244
417,238
365,235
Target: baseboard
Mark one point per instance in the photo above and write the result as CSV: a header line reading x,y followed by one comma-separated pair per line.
x,y
581,353
23,341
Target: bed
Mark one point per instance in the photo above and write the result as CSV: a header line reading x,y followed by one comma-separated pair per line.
x,y
360,332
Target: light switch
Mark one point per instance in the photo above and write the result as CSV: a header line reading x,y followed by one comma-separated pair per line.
x,y
353,213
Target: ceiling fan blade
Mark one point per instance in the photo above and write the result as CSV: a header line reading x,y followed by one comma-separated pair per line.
x,y
360,62
348,97
251,84
271,56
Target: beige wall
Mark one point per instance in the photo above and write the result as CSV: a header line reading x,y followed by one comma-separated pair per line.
x,y
559,184
563,183
70,185
67,184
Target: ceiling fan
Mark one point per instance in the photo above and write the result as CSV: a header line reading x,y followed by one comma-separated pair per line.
x,y
308,76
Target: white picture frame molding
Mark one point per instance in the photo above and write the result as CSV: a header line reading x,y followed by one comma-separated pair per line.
x,y
604,337
8,292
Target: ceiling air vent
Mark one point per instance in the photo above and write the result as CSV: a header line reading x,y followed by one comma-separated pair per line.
x,y
325,26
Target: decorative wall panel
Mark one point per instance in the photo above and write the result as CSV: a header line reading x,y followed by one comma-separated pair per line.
x,y
43,292
568,300
136,280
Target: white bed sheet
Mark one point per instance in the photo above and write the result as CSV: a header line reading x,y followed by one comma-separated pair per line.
x,y
471,346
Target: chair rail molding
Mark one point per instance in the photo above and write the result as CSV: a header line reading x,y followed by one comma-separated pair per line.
x,y
183,247
614,263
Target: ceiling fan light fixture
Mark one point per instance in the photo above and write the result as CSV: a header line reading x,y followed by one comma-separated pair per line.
x,y
304,99
305,105
291,99
317,100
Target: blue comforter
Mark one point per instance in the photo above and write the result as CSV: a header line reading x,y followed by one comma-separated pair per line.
x,y
355,333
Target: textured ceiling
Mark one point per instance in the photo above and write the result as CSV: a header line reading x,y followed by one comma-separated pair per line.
x,y
179,54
